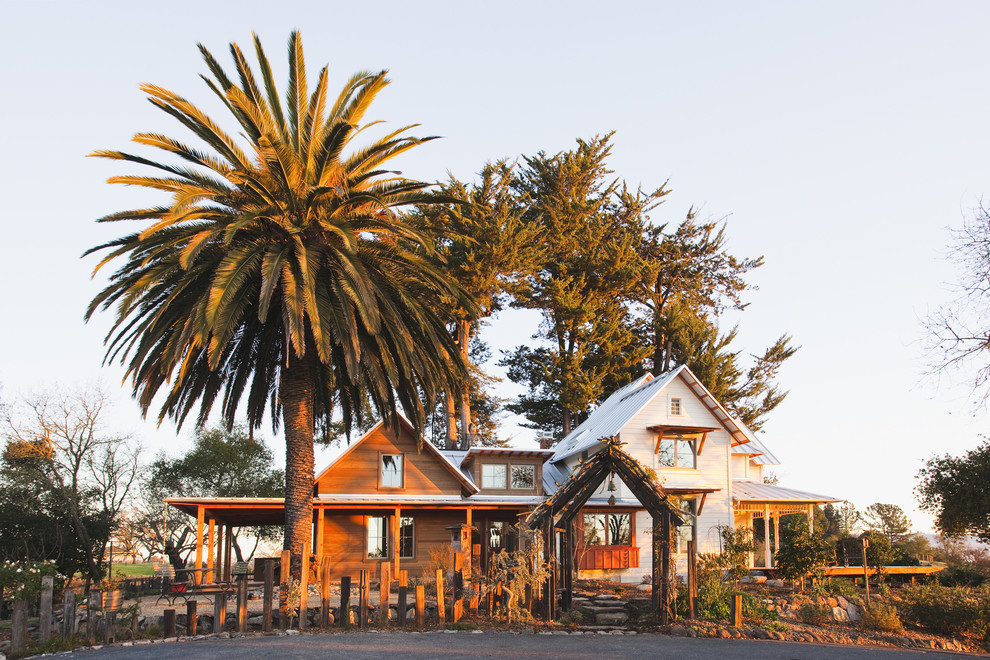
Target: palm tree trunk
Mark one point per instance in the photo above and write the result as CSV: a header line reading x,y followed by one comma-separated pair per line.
x,y
463,340
296,391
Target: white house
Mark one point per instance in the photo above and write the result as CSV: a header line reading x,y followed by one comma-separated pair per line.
x,y
706,459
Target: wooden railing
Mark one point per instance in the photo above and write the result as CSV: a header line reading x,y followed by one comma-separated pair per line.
x,y
609,558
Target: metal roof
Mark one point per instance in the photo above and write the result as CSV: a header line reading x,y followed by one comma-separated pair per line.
x,y
752,491
757,452
615,412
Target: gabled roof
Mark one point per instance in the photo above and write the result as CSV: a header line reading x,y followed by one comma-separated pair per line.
x,y
756,451
427,447
752,491
615,412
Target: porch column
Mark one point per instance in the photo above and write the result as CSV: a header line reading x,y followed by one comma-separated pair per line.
x,y
766,536
470,548
200,517
321,522
210,549
811,518
228,543
776,533
219,560
395,541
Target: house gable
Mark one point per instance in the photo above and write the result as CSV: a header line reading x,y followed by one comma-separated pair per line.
x,y
358,470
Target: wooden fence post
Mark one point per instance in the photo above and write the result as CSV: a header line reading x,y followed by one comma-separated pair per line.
x,y
420,605
325,593
266,606
457,600
283,590
242,594
220,612
192,616
110,627
18,626
169,624
91,606
345,601
441,595
363,593
866,570
69,613
45,612
692,576
403,596
384,592
737,608
304,589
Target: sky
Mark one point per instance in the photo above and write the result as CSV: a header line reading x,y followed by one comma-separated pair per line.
x,y
839,140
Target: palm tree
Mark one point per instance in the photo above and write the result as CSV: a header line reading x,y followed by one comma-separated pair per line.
x,y
281,277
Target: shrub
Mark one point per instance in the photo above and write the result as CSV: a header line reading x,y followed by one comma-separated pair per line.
x,y
804,553
843,587
754,608
882,617
948,610
814,614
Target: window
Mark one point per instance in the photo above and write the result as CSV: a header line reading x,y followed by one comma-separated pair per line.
x,y
496,533
493,476
676,452
608,529
391,471
378,537
685,532
675,407
523,477
407,538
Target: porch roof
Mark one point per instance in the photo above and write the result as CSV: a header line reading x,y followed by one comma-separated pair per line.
x,y
752,491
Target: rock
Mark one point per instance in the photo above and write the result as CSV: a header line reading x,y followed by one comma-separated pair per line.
x,y
609,618
842,602
759,579
606,597
760,633
775,583
746,579
724,634
832,602
852,612
678,631
691,632
839,614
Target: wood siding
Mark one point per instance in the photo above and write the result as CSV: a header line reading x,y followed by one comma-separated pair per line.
x,y
357,472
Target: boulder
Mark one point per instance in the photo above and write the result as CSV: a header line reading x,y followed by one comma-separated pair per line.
x,y
839,614
852,612
611,618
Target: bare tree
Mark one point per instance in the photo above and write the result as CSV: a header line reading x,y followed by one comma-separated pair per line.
x,y
959,334
56,440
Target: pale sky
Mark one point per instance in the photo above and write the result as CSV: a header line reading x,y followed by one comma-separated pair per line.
x,y
841,140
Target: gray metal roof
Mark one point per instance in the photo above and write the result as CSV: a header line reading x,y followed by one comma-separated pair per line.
x,y
752,491
757,452
614,413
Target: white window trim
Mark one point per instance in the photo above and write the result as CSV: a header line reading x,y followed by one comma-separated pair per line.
x,y
505,481
694,452
381,471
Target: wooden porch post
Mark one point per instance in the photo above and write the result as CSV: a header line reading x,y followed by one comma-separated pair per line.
x,y
228,549
665,568
210,549
470,549
776,533
766,536
219,560
200,517
321,521
395,540
811,518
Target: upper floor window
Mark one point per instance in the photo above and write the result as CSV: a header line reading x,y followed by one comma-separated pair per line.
x,y
493,476
523,477
675,407
391,471
676,452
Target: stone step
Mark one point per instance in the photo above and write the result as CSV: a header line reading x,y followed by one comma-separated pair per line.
x,y
603,609
613,618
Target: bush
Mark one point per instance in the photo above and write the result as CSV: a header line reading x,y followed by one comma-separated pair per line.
x,y
843,587
804,553
881,617
948,610
755,609
814,614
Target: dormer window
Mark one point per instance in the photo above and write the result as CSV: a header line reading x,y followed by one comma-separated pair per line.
x,y
675,407
391,471
493,476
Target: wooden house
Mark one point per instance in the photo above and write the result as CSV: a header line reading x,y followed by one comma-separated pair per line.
x,y
387,499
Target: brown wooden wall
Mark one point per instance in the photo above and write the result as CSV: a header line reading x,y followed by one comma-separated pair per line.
x,y
357,471
345,541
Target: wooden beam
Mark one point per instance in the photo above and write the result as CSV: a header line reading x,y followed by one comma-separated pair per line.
x,y
394,533
701,503
766,536
701,444
659,440
321,521
200,517
210,550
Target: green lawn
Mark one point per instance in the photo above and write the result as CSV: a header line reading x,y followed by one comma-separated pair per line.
x,y
133,570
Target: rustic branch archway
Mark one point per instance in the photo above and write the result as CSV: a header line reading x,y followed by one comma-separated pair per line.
x,y
558,512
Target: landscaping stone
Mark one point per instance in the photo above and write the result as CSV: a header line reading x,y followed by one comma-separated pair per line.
x,y
839,614
852,612
606,618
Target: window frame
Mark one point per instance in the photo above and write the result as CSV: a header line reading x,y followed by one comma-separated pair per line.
x,y
505,476
381,470
607,528
679,403
691,442
386,538
531,468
